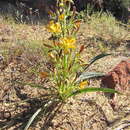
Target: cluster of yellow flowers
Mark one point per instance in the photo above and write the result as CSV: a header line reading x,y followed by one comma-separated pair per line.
x,y
66,42
57,26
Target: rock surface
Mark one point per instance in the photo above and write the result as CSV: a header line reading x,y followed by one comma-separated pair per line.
x,y
119,77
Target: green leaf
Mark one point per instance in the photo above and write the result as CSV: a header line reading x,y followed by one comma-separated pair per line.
x,y
85,90
89,75
96,58
32,118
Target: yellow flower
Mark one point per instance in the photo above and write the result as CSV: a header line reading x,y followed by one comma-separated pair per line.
x,y
54,27
67,43
61,17
83,84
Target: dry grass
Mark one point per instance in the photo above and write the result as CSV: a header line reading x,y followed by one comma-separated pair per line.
x,y
105,29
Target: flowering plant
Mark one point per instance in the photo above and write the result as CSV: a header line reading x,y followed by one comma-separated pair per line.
x,y
65,53
67,72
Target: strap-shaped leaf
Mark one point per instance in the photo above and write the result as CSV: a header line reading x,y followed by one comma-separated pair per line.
x,y
92,89
96,58
89,75
32,118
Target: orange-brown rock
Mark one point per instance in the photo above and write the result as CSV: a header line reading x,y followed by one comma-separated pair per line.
x,y
119,77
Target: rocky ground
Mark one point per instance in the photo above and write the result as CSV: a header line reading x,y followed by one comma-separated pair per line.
x,y
85,112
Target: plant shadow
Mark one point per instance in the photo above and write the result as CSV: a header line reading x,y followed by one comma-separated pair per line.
x,y
20,120
25,109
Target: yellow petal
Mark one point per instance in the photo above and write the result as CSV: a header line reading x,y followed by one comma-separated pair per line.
x,y
68,43
61,17
54,27
83,84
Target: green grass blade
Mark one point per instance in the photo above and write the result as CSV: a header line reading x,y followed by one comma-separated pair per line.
x,y
32,119
89,75
96,58
86,90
